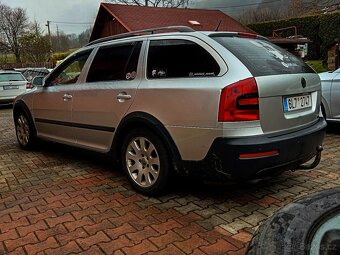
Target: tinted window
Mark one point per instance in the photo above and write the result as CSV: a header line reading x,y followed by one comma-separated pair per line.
x,y
262,57
179,58
115,63
11,77
68,72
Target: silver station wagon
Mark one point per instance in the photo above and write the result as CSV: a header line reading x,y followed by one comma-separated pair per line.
x,y
220,105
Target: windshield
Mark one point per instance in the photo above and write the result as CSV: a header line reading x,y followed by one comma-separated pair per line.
x,y
263,58
11,77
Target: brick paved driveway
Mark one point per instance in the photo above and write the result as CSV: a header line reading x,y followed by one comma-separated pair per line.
x,y
60,200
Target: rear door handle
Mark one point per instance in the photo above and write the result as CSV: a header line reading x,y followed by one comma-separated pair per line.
x,y
123,96
67,97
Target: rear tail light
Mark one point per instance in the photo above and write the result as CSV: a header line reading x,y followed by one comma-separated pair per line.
x,y
239,102
29,86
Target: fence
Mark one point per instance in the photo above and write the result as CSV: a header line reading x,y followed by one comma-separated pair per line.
x,y
28,65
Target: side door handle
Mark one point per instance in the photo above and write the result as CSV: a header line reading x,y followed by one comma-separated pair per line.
x,y
67,97
123,96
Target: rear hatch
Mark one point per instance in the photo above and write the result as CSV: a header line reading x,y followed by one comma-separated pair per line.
x,y
289,90
12,85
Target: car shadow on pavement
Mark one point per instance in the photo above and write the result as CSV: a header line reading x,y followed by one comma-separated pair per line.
x,y
178,185
333,128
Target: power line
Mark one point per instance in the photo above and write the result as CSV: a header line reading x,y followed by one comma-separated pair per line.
x,y
244,5
72,23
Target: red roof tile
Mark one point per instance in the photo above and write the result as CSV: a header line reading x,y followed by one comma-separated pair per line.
x,y
141,17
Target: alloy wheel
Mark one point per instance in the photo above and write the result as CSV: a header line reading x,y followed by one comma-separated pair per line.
x,y
142,162
23,130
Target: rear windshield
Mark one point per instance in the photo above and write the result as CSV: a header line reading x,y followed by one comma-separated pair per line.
x,y
263,58
11,77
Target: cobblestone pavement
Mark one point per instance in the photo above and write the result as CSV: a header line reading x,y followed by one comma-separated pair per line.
x,y
61,200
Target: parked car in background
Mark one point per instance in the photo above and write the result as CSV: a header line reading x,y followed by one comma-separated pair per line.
x,y
12,84
31,72
220,105
330,83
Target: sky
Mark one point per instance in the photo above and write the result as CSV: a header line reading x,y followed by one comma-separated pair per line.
x,y
74,11
61,12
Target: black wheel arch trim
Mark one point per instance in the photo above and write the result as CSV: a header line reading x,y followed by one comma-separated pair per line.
x,y
155,126
20,104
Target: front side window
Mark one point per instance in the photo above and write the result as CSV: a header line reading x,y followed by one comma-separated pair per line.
x,y
179,58
118,62
69,72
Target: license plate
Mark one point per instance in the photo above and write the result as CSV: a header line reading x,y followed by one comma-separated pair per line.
x,y
297,102
9,87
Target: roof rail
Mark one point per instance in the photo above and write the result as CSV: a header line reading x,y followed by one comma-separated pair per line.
x,y
140,32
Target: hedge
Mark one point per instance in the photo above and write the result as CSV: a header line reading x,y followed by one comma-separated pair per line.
x,y
322,29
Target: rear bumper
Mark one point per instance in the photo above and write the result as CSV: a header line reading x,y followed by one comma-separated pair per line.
x,y
293,149
7,100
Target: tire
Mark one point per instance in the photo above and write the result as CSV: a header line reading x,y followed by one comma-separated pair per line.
x,y
323,111
145,162
292,230
25,131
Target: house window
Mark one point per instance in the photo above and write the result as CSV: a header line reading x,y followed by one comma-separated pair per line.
x,y
179,58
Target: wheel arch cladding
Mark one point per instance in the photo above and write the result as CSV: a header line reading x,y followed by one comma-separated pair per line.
x,y
20,106
145,120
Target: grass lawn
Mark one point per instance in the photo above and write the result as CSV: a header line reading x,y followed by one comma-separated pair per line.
x,y
7,59
317,66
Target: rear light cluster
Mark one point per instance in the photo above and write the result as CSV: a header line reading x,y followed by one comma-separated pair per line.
x,y
239,102
29,86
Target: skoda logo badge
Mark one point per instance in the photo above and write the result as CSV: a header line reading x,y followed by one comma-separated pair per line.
x,y
303,82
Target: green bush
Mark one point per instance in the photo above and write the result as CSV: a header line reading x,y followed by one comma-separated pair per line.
x,y
61,55
321,29
317,65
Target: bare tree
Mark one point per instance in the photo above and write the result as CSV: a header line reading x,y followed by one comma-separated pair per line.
x,y
13,24
35,47
155,3
296,8
259,15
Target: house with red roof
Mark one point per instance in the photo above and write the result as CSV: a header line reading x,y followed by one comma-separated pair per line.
x,y
115,19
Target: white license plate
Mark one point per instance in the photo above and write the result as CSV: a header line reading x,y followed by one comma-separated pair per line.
x,y
297,102
9,87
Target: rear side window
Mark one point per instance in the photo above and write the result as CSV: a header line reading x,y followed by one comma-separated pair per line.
x,y
179,58
11,77
263,58
117,62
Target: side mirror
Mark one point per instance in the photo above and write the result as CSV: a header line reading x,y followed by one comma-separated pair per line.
x,y
38,81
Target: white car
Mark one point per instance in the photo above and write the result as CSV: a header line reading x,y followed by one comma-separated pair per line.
x,y
330,103
12,84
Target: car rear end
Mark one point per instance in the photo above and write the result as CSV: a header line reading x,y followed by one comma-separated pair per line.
x,y
12,84
270,118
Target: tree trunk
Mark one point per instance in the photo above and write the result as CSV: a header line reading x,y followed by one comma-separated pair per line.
x,y
17,57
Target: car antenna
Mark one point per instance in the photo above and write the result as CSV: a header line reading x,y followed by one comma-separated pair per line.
x,y
218,26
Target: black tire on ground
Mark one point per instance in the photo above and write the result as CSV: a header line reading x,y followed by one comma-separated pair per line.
x,y
323,111
152,162
25,131
290,230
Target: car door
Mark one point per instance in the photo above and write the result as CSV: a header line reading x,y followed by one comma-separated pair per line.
x,y
52,103
101,102
335,95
